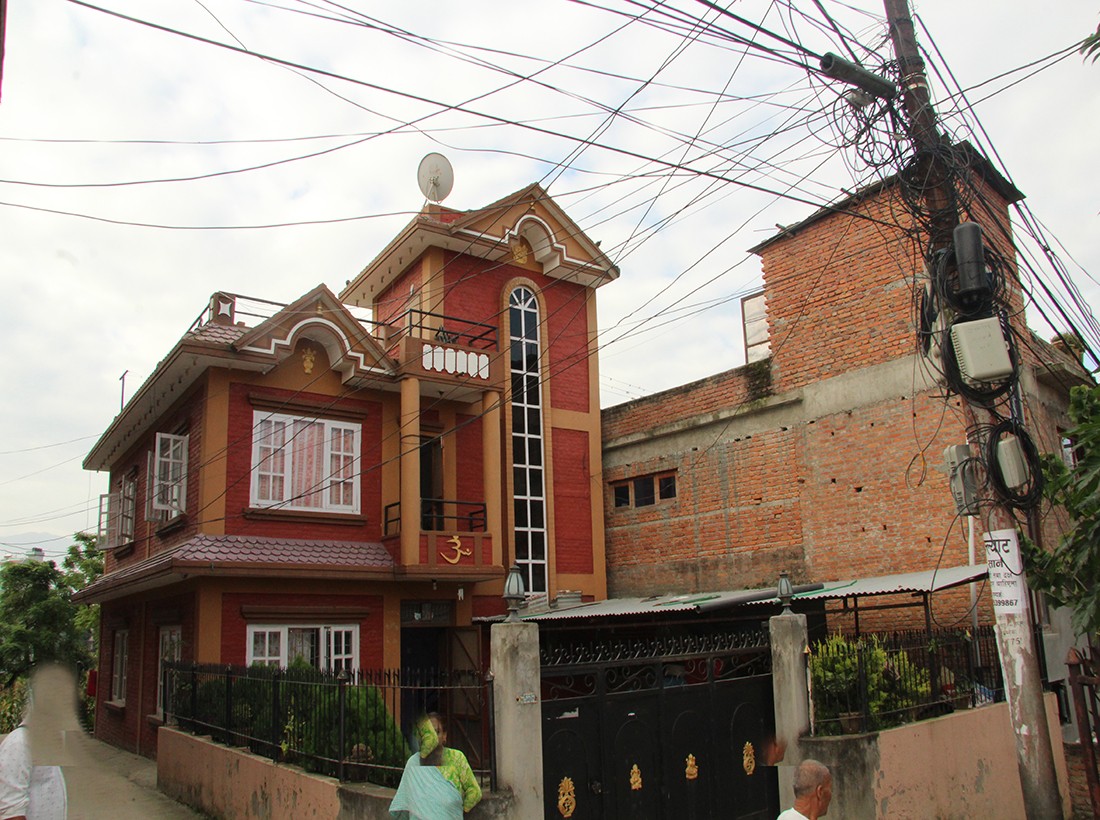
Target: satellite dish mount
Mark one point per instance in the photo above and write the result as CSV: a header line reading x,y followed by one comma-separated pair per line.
x,y
435,177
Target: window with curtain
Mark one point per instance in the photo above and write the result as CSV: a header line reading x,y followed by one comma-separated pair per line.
x,y
305,463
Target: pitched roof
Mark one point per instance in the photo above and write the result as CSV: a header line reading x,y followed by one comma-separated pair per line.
x,y
240,555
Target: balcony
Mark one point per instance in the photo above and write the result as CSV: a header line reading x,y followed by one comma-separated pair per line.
x,y
453,536
445,348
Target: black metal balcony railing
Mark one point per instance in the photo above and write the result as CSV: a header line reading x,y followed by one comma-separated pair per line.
x,y
354,725
889,679
439,515
451,329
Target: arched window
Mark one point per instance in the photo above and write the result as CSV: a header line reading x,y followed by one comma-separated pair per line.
x,y
529,506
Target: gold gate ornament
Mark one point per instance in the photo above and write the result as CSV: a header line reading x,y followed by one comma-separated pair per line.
x,y
748,758
691,771
635,778
567,797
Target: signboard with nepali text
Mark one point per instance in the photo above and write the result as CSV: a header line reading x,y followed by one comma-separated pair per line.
x,y
1006,571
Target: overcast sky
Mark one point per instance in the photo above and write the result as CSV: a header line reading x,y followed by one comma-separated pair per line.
x,y
90,101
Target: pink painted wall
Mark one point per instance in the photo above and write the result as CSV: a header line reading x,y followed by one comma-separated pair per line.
x,y
962,765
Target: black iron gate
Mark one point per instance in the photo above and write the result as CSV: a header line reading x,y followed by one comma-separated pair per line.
x,y
659,728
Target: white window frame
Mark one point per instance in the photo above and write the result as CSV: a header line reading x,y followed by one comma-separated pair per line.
x,y
273,467
170,648
336,650
168,475
120,654
127,513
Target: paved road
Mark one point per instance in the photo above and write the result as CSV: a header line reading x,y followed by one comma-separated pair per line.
x,y
105,783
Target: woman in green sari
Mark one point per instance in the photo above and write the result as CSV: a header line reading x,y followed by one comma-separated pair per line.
x,y
438,783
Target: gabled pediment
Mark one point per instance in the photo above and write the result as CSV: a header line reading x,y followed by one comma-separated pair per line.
x,y
319,316
526,228
529,226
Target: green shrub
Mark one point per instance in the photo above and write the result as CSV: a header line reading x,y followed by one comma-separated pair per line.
x,y
860,676
12,703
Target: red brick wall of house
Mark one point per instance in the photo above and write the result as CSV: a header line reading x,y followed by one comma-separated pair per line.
x,y
573,487
129,727
239,467
234,626
394,299
471,481
187,416
475,292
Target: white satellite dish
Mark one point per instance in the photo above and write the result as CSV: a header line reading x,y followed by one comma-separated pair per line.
x,y
435,177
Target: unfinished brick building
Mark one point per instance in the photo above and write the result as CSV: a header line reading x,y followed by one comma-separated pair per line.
x,y
820,455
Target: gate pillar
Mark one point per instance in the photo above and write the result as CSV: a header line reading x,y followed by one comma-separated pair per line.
x,y
789,642
517,711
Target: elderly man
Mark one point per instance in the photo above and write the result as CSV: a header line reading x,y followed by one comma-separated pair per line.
x,y
813,789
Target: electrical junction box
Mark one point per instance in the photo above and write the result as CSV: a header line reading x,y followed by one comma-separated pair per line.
x,y
1011,461
960,471
981,351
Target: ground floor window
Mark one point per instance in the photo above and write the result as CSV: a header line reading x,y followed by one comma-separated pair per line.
x,y
170,649
119,658
329,647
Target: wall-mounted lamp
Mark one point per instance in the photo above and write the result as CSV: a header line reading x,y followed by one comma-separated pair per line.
x,y
784,591
513,593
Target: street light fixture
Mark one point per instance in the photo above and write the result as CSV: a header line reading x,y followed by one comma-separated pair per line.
x,y
513,593
784,591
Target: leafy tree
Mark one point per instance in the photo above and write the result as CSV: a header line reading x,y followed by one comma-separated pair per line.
x,y
37,619
1070,573
82,565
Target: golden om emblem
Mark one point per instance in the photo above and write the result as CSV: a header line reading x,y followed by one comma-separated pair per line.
x,y
748,759
456,545
691,771
635,778
567,797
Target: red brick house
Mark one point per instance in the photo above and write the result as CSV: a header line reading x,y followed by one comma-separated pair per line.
x,y
820,455
295,481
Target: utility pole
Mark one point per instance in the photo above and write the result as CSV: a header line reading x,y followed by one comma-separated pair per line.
x,y
1015,640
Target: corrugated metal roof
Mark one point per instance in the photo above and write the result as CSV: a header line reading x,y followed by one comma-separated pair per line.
x,y
931,580
654,605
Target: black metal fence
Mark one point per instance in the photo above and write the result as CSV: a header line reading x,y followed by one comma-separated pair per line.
x,y
888,679
355,726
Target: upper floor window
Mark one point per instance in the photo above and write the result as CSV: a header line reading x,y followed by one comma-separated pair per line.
x,y
329,647
645,491
117,512
305,464
168,476
529,494
754,323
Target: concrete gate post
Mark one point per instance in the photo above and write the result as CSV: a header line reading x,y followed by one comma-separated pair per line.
x,y
518,714
789,642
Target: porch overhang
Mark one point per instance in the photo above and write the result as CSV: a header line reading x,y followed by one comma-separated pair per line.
x,y
245,557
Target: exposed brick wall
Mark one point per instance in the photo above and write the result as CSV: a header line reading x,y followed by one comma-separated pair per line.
x,y
839,294
731,388
1078,782
572,501
825,494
